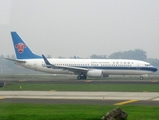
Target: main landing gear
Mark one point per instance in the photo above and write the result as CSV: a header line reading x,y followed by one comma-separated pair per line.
x,y
81,77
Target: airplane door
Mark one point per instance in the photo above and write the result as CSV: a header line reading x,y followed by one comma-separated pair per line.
x,y
138,66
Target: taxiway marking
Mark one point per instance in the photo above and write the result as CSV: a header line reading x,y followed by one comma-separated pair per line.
x,y
1,98
153,98
126,102
23,80
154,81
88,81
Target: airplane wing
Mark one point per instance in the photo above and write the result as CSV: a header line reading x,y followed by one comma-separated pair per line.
x,y
16,60
73,69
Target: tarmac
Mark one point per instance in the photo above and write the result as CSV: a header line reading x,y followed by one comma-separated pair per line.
x,y
69,97
80,97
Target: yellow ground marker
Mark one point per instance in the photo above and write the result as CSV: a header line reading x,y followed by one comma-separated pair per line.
x,y
20,87
126,102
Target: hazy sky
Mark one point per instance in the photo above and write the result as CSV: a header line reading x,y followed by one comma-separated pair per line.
x,y
81,27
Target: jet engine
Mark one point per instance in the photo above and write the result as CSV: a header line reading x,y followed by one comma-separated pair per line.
x,y
95,73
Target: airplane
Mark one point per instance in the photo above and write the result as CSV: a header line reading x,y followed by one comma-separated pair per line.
x,y
83,68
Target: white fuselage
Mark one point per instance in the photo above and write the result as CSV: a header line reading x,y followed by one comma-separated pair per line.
x,y
108,66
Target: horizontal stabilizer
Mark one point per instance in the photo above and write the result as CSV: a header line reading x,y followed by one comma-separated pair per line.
x,y
16,60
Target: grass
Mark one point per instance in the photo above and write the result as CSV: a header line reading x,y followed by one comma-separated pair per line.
x,y
85,87
19,111
72,112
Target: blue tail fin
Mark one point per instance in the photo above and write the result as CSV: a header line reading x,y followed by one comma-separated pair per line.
x,y
21,49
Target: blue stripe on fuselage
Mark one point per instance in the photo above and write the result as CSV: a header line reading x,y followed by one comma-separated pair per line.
x,y
152,69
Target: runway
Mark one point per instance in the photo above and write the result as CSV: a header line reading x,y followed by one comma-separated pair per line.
x,y
153,96
72,97
69,97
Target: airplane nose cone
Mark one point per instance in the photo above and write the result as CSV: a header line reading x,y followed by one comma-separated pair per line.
x,y
155,69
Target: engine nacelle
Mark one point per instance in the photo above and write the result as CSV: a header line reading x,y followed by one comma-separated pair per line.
x,y
95,73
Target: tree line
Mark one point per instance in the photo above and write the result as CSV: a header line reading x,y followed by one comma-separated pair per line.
x,y
137,54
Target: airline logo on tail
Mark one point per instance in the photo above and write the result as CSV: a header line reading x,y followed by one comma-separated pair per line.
x,y
20,47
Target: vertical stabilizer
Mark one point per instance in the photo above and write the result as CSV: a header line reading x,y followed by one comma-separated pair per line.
x,y
21,49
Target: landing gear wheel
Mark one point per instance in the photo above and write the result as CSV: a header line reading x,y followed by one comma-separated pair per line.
x,y
141,78
84,77
81,77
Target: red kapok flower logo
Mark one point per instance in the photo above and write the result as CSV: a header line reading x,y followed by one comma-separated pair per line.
x,y
20,47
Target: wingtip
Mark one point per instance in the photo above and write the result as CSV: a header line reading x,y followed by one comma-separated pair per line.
x,y
43,56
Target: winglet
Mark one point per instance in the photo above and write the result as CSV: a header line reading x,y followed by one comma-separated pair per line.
x,y
45,60
48,64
